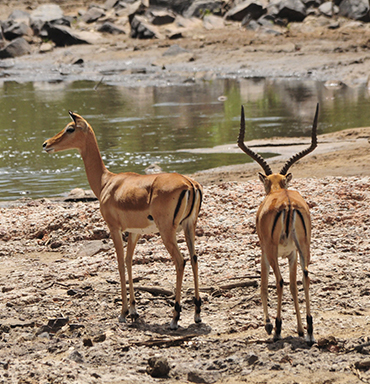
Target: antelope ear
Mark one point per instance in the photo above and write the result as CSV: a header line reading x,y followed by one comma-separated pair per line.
x,y
262,177
78,120
289,177
73,116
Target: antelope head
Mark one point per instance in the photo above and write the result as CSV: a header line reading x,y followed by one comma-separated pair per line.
x,y
71,137
276,181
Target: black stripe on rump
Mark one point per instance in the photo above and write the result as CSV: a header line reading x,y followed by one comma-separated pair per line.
x,y
275,222
182,194
192,203
303,223
287,224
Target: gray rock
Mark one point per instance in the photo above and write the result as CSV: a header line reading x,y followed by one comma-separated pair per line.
x,y
63,36
17,47
200,7
250,25
47,12
13,29
20,16
109,4
175,50
355,9
250,8
137,8
213,22
179,6
76,357
93,247
142,29
292,10
93,14
109,27
328,9
159,17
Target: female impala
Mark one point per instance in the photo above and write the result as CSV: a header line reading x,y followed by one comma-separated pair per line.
x,y
283,227
138,204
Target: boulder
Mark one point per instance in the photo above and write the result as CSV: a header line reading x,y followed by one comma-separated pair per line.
x,y
142,29
355,9
109,27
328,9
92,14
160,17
137,8
292,10
213,22
178,6
13,30
20,16
253,9
109,4
47,12
201,7
63,36
17,47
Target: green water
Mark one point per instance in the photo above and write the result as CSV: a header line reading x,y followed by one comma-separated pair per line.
x,y
136,127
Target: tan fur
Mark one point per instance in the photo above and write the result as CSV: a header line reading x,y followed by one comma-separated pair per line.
x,y
284,228
282,232
137,204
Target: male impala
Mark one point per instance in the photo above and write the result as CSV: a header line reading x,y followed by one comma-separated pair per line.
x,y
138,204
283,227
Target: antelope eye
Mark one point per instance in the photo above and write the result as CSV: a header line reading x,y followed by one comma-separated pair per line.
x,y
70,129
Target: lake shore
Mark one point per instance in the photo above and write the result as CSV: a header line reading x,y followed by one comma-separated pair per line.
x,y
59,280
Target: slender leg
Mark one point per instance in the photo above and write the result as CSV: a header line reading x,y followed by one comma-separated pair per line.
x,y
118,244
303,246
305,256
294,290
190,240
170,242
265,268
279,288
131,243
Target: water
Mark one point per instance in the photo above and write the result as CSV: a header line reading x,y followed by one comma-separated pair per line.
x,y
136,127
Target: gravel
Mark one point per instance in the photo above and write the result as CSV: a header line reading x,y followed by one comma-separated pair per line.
x,y
60,297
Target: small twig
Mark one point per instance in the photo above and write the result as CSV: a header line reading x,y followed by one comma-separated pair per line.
x,y
155,291
97,85
165,343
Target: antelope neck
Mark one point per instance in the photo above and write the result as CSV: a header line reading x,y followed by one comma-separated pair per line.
x,y
94,166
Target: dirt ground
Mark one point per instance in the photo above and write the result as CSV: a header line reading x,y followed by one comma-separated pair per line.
x,y
60,297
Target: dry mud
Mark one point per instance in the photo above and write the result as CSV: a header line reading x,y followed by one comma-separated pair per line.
x,y
60,297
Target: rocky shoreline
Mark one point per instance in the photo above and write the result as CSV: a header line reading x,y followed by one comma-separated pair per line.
x,y
59,280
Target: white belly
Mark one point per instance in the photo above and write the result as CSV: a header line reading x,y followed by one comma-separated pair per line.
x,y
151,228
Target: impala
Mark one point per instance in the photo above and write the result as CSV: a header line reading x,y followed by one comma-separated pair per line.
x,y
138,204
283,227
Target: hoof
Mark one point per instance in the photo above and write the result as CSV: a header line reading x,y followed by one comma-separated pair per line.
x,y
310,340
197,319
268,328
122,319
174,325
277,337
134,316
